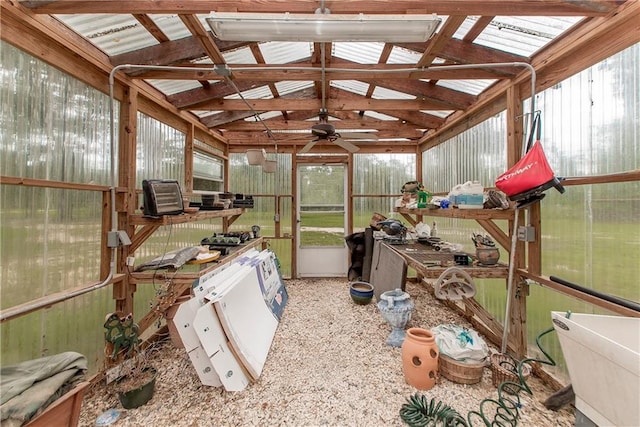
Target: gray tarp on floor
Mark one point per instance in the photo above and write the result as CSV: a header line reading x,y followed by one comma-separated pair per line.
x,y
28,387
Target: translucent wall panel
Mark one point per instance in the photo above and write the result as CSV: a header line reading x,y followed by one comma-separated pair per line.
x,y
479,154
265,188
160,151
74,325
590,234
51,126
375,175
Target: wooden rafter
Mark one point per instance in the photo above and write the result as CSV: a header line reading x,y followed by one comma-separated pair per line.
x,y
442,7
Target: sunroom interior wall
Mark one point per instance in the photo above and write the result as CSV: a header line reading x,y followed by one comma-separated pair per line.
x,y
379,174
52,127
252,180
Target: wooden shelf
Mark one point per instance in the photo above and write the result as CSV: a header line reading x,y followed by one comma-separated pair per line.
x,y
477,214
417,255
185,217
190,272
484,217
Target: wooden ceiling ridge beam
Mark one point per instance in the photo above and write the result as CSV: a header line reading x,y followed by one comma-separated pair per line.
x,y
578,40
441,7
59,39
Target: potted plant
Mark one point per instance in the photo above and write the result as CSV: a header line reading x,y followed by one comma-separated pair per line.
x,y
132,375
135,384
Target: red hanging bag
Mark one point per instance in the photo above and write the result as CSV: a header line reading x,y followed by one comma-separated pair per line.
x,y
531,175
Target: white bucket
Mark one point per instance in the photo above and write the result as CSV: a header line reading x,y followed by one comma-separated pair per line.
x,y
256,156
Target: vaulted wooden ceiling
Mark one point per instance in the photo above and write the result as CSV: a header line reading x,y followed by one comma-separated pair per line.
x,y
405,108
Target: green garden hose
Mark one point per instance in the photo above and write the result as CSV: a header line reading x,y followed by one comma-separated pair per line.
x,y
421,412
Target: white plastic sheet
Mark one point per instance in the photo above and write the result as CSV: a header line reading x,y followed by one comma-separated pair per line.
x,y
460,343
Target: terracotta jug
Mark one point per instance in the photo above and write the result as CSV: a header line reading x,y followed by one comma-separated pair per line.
x,y
420,358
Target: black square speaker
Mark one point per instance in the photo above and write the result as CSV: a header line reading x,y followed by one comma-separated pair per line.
x,y
161,197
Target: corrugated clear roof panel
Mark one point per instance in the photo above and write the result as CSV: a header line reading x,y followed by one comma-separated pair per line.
x,y
379,116
266,115
522,35
383,93
353,86
172,26
204,113
473,87
285,52
262,92
360,52
240,56
438,113
286,87
169,87
400,55
113,34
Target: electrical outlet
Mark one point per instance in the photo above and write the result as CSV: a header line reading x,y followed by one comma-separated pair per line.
x,y
526,233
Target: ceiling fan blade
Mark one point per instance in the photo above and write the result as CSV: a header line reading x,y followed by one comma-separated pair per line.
x,y
346,145
358,135
309,146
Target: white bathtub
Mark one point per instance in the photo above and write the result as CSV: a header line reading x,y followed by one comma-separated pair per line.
x,y
603,359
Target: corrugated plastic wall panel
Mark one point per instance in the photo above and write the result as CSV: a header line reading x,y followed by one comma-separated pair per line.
x,y
52,127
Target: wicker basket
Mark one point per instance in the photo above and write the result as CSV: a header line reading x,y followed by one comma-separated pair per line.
x,y
505,368
460,372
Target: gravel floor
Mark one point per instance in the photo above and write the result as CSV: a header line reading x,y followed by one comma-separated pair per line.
x,y
328,366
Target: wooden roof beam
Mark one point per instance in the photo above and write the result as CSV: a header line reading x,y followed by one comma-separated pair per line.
x,y
288,72
172,52
194,26
437,42
281,124
442,7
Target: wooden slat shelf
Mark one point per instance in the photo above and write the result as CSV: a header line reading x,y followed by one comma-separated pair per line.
x,y
417,259
190,272
477,214
185,217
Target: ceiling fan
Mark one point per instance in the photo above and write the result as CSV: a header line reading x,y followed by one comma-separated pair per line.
x,y
325,131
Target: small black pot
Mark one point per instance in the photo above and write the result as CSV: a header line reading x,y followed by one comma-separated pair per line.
x,y
137,397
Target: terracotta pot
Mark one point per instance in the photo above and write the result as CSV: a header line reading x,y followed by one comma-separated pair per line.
x,y
488,256
420,358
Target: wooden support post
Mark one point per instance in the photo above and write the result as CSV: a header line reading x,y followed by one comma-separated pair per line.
x,y
294,215
127,137
188,159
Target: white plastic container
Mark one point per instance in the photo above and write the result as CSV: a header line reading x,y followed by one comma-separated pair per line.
x,y
603,359
471,196
454,194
